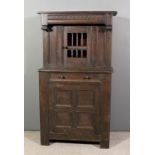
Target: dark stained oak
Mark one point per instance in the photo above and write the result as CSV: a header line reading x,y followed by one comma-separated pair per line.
x,y
75,80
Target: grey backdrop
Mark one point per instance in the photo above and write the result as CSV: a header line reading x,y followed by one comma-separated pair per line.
x,y
120,102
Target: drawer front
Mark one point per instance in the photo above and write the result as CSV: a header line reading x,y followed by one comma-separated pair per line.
x,y
74,108
79,76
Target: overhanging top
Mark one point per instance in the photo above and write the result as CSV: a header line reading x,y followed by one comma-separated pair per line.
x,y
114,13
77,17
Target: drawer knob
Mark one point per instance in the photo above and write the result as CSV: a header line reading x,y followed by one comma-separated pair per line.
x,y
61,77
87,77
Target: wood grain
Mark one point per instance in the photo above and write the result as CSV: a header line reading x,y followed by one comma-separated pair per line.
x,y
75,80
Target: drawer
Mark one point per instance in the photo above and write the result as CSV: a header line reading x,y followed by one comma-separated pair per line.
x,y
79,76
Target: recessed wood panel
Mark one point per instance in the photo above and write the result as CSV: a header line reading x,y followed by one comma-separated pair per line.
x,y
62,119
63,97
85,120
85,98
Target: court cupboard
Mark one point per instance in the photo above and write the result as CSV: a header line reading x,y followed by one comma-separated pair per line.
x,y
75,81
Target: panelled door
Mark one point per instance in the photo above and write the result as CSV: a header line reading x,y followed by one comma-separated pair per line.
x,y
74,108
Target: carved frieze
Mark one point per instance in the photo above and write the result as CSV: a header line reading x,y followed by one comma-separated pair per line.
x,y
77,18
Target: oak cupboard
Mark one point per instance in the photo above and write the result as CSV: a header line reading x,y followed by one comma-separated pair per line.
x,y
75,81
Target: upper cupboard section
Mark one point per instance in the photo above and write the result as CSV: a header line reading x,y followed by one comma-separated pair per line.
x,y
77,46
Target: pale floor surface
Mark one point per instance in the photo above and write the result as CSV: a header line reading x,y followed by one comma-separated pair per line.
x,y
119,145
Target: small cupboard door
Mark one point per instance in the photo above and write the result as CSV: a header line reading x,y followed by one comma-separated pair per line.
x,y
74,108
77,41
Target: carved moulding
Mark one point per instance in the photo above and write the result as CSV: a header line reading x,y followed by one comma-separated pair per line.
x,y
47,28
